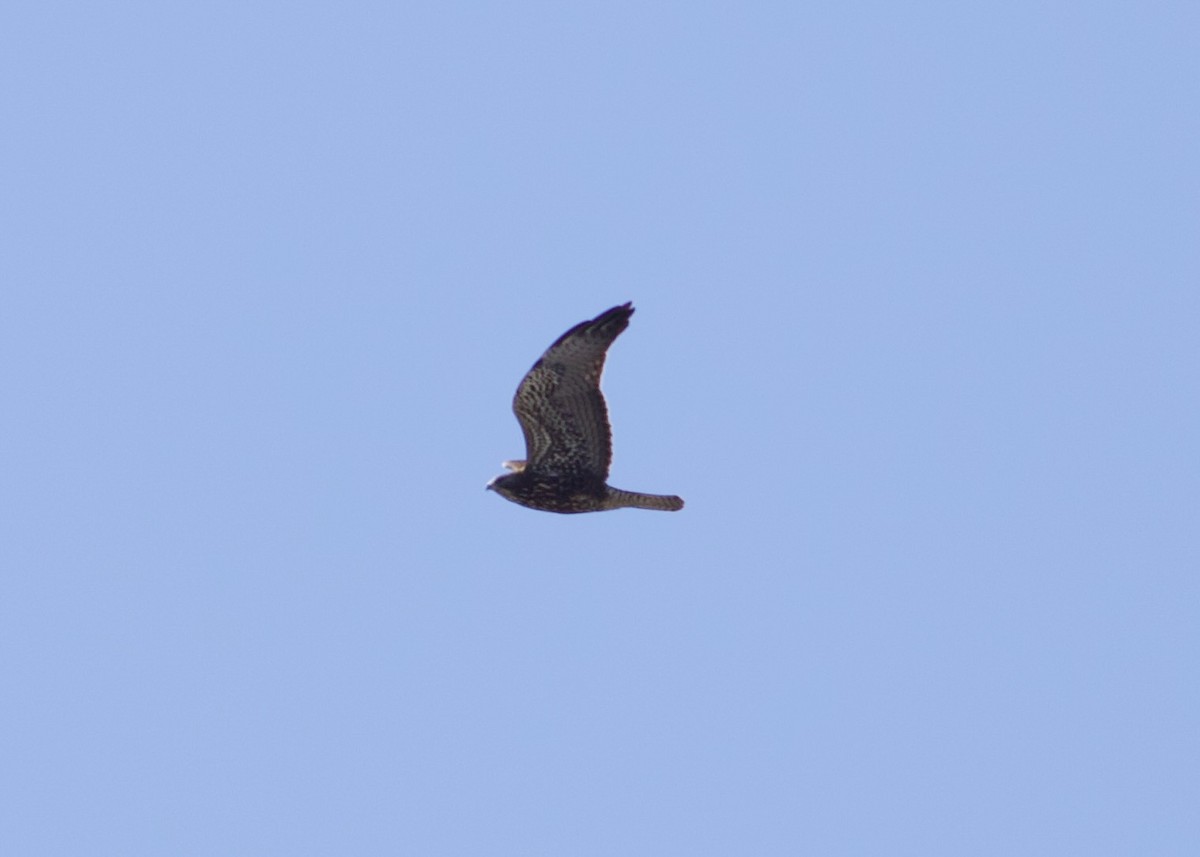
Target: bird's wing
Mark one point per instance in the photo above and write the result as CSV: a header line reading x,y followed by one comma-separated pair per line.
x,y
559,404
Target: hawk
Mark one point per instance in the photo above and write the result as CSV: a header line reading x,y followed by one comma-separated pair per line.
x,y
568,441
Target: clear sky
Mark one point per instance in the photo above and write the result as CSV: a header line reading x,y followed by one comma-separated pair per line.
x,y
917,338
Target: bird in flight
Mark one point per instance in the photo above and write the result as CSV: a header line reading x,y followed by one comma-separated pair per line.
x,y
568,441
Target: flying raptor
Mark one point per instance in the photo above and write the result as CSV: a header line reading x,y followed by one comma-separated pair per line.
x,y
568,441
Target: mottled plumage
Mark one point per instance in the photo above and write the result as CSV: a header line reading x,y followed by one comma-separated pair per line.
x,y
568,441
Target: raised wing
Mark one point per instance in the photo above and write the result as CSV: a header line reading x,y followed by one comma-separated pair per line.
x,y
559,404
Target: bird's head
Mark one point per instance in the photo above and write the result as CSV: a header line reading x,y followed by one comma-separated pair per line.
x,y
504,484
498,484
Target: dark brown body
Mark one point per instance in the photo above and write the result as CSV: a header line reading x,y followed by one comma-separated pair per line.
x,y
572,496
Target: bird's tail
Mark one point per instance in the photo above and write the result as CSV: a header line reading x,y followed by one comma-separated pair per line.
x,y
618,499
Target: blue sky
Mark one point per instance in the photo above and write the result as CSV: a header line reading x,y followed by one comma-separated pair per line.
x,y
916,339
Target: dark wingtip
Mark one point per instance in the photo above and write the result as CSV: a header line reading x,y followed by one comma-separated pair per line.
x,y
612,322
625,309
619,314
